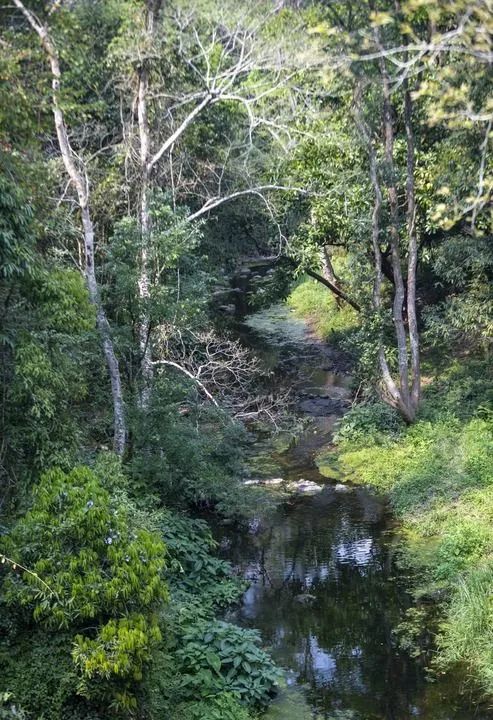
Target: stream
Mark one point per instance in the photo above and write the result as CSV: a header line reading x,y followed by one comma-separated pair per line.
x,y
325,591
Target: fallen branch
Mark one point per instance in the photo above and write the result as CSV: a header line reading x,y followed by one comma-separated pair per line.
x,y
189,375
333,288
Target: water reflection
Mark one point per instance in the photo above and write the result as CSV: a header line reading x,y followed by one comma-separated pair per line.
x,y
325,592
324,596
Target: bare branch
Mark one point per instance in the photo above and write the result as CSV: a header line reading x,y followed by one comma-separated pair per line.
x,y
215,202
169,142
190,375
228,374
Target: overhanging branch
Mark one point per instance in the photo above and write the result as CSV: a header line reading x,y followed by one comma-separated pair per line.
x,y
333,288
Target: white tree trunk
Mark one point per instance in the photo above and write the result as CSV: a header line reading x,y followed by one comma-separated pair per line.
x,y
399,290
403,397
79,179
144,328
412,261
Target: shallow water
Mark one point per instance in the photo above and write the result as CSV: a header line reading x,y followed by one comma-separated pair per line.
x,y
325,591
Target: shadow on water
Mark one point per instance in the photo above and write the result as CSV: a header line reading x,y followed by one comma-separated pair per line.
x,y
325,592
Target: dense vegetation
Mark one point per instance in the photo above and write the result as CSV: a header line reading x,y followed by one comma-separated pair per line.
x,y
145,148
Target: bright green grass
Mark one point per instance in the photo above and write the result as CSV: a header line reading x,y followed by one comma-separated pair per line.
x,y
314,302
438,474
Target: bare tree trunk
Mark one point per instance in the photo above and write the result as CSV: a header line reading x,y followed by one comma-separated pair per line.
x,y
412,261
145,231
392,392
119,434
328,272
144,282
78,176
399,290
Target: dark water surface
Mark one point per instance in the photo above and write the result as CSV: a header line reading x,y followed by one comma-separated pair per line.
x,y
325,591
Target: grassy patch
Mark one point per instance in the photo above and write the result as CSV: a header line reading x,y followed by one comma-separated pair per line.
x,y
438,474
314,302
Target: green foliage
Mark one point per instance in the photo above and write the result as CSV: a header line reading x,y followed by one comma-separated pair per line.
x,y
330,163
16,245
465,266
172,243
430,462
460,548
193,570
46,328
203,460
80,559
313,301
84,549
271,287
216,657
369,424
211,669
120,651
63,298
38,671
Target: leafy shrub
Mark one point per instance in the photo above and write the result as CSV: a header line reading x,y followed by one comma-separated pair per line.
x,y
369,424
193,571
215,657
84,563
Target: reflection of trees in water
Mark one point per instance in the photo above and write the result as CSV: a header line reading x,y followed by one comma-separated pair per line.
x,y
339,638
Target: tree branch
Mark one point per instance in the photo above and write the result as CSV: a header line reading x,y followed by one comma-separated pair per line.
x,y
333,288
189,375
215,202
207,100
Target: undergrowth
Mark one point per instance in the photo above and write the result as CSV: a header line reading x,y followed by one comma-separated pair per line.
x,y
311,300
198,667
438,474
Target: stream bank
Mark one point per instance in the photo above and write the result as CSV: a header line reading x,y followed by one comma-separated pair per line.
x,y
325,589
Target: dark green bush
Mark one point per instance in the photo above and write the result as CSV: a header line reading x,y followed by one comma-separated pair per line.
x,y
194,573
216,657
369,423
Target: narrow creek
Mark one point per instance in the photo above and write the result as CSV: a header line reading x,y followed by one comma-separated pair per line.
x,y
325,591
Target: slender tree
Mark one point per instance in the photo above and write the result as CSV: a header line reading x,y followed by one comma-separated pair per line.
x,y
219,63
78,173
